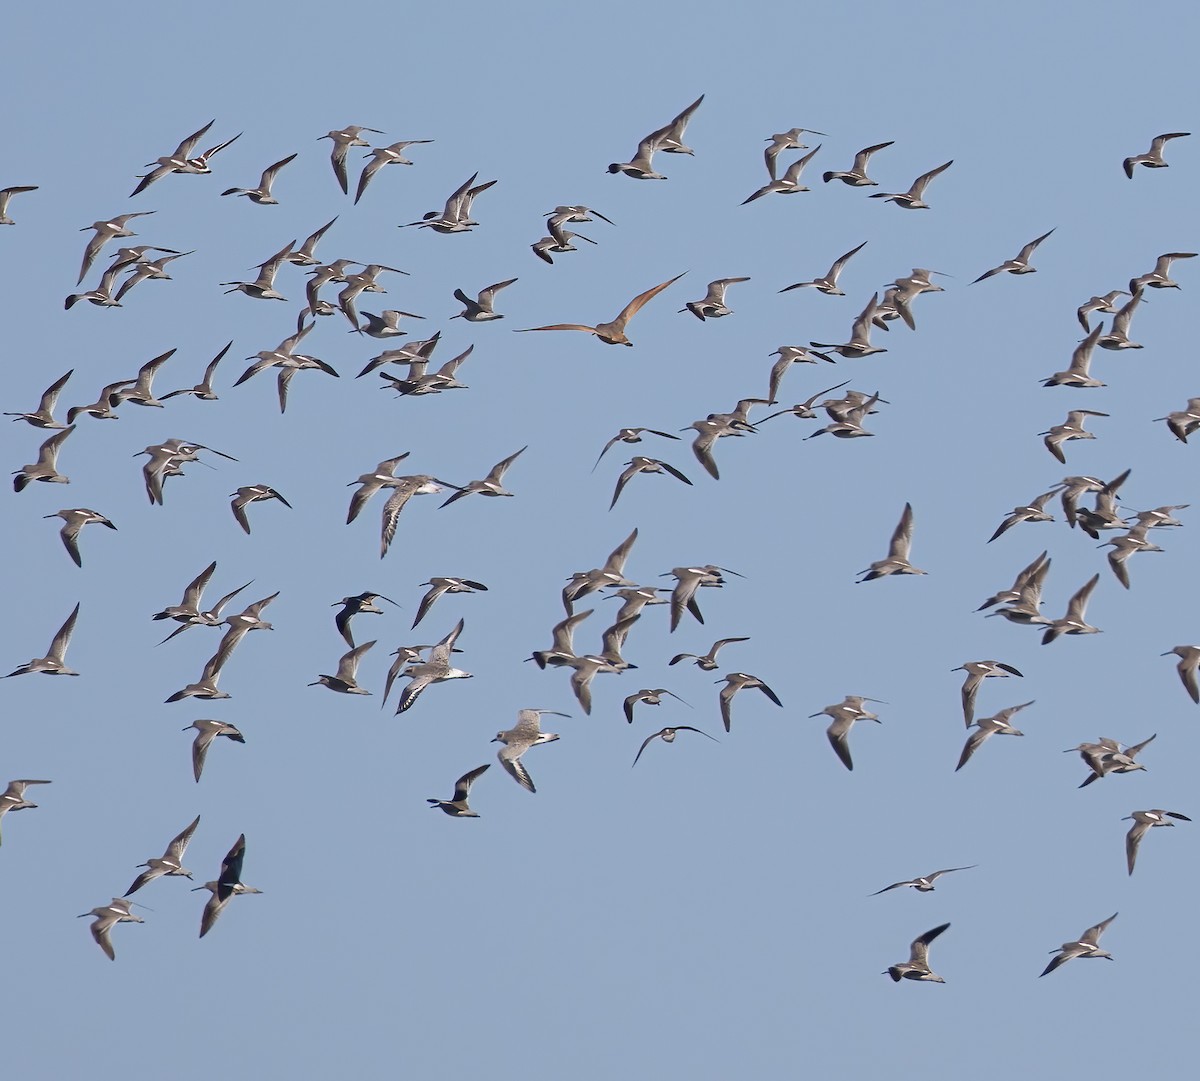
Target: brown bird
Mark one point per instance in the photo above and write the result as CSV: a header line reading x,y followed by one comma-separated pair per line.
x,y
613,333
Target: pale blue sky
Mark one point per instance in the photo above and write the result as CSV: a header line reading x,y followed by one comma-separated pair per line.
x,y
707,914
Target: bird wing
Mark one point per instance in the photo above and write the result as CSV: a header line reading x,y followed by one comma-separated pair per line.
x,y
902,537
919,954
178,845
635,305
58,648
463,785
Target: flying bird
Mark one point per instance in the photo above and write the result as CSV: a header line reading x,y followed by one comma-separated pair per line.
x,y
613,333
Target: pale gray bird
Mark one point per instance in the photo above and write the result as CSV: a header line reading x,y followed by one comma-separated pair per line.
x,y
856,175
986,727
640,464
1019,264
789,183
6,194
844,714
346,679
437,669
1074,621
171,861
492,484
896,561
13,798
1153,158
1143,821
712,305
119,910
1189,663
228,885
977,672
252,493
829,283
74,520
206,732
914,198
527,733
262,195
1087,946
648,697
55,661
481,309
381,156
343,140
439,587
45,469
738,681
43,416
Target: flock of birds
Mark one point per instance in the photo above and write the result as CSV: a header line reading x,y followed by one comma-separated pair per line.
x,y
405,368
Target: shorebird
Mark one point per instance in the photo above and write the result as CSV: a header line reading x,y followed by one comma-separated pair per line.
x,y
706,662
357,284
986,727
43,416
667,735
848,422
382,476
381,156
856,175
897,557
13,798
635,598
737,681
75,519
181,160
560,215
917,965
1189,662
1019,264
252,493
437,669
352,606
844,714
55,661
1026,590
188,611
206,732
859,344
101,296
1034,511
785,140
119,910
1108,756
1182,422
1124,546
440,586
789,183
649,697
402,491
581,583
420,381
304,255
914,198
227,886
638,465
1153,158
924,883
708,431
147,270
343,140
712,306
205,687
204,389
828,284
527,733
102,407
978,671
613,333
668,139
584,669
1118,335
104,232
1087,946
456,806
1159,277
1078,373
1106,304
687,581
562,646
45,468
384,325
455,216
6,194
558,242
492,484
240,625
263,287
346,680
629,435
1074,622
481,310
1071,428
140,390
1143,821
262,194
1074,488
171,861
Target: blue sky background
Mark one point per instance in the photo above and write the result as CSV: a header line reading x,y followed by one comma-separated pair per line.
x,y
706,914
